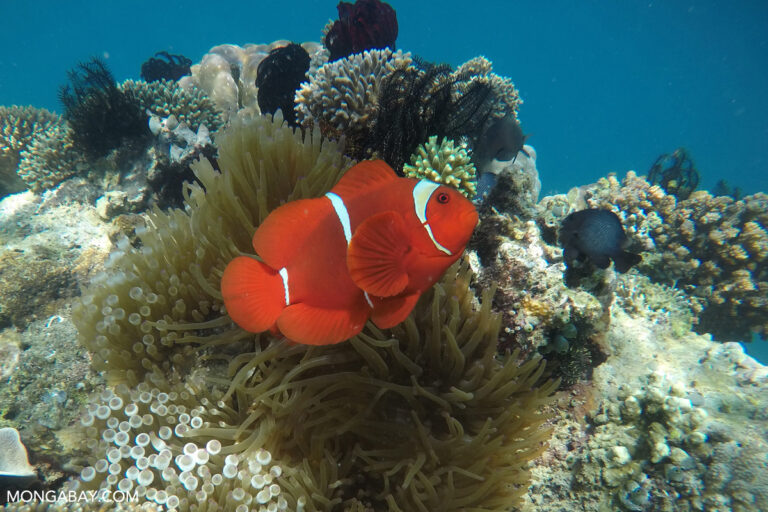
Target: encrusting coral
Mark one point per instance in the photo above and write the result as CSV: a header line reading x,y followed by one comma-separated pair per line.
x,y
446,163
421,417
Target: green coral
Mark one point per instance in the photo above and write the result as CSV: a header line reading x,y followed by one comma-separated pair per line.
x,y
420,417
445,163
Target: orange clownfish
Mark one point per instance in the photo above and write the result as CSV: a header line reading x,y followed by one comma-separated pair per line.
x,y
367,249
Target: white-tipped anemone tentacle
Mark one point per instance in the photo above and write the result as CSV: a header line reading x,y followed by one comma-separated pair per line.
x,y
421,194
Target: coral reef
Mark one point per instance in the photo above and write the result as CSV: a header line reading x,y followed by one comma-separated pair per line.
x,y
101,116
19,128
341,97
713,248
505,99
364,25
165,66
511,187
443,163
278,76
188,104
51,159
228,73
671,424
510,253
419,417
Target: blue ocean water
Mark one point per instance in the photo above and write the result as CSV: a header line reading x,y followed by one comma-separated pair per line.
x,y
608,86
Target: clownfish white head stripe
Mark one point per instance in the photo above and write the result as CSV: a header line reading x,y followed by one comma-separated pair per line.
x,y
284,274
342,214
421,194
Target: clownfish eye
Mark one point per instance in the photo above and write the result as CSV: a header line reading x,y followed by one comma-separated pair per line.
x,y
443,198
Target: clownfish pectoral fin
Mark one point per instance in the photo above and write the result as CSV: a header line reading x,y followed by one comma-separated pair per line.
x,y
390,311
254,293
376,253
312,325
362,177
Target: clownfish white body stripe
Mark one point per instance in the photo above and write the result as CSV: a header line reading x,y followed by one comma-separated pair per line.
x,y
366,250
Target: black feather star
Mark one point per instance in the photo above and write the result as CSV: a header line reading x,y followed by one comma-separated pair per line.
x,y
417,103
101,116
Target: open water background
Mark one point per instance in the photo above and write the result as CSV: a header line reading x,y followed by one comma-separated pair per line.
x,y
608,86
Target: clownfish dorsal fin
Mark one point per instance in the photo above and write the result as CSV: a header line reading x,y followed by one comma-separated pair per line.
x,y
364,176
375,257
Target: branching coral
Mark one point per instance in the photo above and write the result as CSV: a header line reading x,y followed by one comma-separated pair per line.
x,y
712,247
443,163
19,128
341,97
50,159
506,98
421,417
164,98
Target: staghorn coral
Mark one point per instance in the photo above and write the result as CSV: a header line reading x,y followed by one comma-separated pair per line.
x,y
19,128
443,163
164,98
420,417
712,247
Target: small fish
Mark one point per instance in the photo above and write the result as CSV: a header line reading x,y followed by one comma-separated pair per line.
x,y
367,249
598,236
503,140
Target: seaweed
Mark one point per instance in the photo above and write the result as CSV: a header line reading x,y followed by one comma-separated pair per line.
x,y
102,117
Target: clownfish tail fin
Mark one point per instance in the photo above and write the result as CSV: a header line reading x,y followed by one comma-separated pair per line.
x,y
254,293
